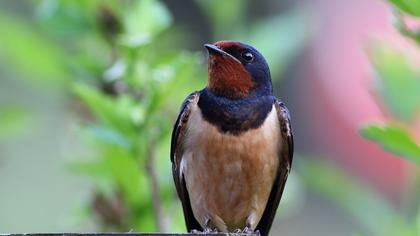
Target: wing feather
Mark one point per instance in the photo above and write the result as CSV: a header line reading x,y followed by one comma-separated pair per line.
x,y
178,135
285,162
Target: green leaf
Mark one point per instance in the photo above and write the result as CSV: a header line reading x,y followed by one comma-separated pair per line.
x,y
98,173
14,120
54,15
71,21
122,113
29,53
398,82
128,175
143,21
368,207
144,221
393,139
411,7
400,24
115,169
108,136
177,72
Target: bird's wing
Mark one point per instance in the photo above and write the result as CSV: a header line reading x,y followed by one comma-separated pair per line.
x,y
178,135
285,162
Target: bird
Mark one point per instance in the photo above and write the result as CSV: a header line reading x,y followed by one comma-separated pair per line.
x,y
232,145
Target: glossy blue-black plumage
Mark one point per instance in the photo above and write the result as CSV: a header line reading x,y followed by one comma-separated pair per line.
x,y
234,115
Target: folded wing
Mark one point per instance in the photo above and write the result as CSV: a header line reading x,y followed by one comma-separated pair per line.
x,y
178,135
285,162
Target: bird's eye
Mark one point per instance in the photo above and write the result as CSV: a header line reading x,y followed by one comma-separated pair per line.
x,y
247,56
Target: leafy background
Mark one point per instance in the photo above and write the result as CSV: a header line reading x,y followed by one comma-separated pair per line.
x,y
90,90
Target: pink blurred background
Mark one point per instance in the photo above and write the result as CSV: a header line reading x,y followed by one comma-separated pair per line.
x,y
337,88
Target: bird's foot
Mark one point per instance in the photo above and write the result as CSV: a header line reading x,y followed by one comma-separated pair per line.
x,y
247,230
208,230
237,231
205,231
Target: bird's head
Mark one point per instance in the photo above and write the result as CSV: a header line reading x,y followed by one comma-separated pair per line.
x,y
237,70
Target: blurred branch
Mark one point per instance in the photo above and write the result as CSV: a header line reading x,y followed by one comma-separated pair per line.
x,y
154,186
111,211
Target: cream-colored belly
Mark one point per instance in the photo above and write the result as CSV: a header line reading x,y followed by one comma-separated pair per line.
x,y
229,178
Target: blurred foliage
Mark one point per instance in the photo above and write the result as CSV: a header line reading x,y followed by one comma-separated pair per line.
x,y
14,120
397,86
395,73
411,7
397,89
130,98
401,26
281,46
43,64
369,208
130,80
227,18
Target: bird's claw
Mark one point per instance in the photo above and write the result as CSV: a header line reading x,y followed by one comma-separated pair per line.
x,y
247,230
205,231
237,231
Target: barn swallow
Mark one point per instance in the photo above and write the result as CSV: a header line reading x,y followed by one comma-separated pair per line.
x,y
232,145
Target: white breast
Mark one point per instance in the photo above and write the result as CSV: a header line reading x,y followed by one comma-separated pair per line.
x,y
229,177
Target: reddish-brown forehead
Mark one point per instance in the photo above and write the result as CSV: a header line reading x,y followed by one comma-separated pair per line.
x,y
229,45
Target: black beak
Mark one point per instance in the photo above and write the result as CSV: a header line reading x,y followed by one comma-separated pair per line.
x,y
214,50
